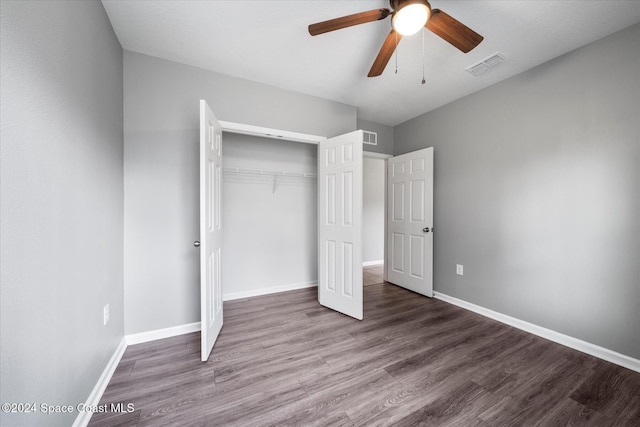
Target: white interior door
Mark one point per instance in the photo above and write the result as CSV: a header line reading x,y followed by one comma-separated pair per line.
x,y
410,221
340,223
210,229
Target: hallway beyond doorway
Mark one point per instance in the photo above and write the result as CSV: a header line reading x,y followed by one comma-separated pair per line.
x,y
373,274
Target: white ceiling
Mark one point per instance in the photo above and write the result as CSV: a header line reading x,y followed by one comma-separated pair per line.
x,y
267,42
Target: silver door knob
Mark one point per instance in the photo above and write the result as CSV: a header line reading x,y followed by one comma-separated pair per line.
x,y
426,229
196,244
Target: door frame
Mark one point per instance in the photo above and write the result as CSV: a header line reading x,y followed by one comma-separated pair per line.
x,y
384,157
244,129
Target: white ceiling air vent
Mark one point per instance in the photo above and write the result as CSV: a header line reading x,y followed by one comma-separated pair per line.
x,y
370,138
477,69
486,64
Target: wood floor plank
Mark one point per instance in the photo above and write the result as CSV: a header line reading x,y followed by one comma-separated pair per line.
x,y
536,393
571,413
609,390
631,413
335,397
284,360
445,407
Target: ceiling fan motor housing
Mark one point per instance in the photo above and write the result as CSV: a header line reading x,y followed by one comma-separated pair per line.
x,y
399,4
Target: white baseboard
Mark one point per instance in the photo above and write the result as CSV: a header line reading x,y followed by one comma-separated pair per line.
x,y
266,291
83,418
566,340
370,263
159,334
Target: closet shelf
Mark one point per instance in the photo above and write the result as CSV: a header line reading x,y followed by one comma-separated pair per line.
x,y
254,172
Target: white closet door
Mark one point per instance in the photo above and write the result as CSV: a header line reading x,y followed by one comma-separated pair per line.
x,y
410,221
340,223
210,229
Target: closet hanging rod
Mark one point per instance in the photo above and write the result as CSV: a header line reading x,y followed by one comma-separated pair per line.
x,y
269,173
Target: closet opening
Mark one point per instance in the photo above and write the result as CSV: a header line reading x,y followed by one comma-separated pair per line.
x,y
269,214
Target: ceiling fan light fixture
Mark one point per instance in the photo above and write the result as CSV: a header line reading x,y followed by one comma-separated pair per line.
x,y
407,17
411,18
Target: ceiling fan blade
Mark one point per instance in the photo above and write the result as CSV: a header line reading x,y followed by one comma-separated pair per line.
x,y
453,31
348,21
387,49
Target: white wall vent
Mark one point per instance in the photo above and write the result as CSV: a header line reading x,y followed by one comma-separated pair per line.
x,y
370,138
486,64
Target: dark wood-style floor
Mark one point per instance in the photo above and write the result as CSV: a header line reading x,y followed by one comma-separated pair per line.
x,y
283,360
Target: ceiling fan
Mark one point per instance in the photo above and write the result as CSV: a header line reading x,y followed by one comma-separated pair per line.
x,y
407,17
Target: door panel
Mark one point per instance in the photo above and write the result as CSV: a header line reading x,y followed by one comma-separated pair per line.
x,y
398,201
397,252
340,223
410,213
417,200
210,230
416,262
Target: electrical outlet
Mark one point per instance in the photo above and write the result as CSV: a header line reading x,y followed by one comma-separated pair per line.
x,y
105,314
459,269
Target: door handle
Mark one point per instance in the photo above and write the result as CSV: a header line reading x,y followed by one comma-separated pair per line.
x,y
196,244
426,229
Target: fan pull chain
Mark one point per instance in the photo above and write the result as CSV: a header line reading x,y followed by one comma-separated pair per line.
x,y
396,52
423,79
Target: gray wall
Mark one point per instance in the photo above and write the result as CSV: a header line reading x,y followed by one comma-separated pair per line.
x,y
537,193
385,136
62,203
161,173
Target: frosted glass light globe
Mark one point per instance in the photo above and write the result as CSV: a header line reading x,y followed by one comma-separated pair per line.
x,y
410,19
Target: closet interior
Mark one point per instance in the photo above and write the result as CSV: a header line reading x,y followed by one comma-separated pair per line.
x,y
269,214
